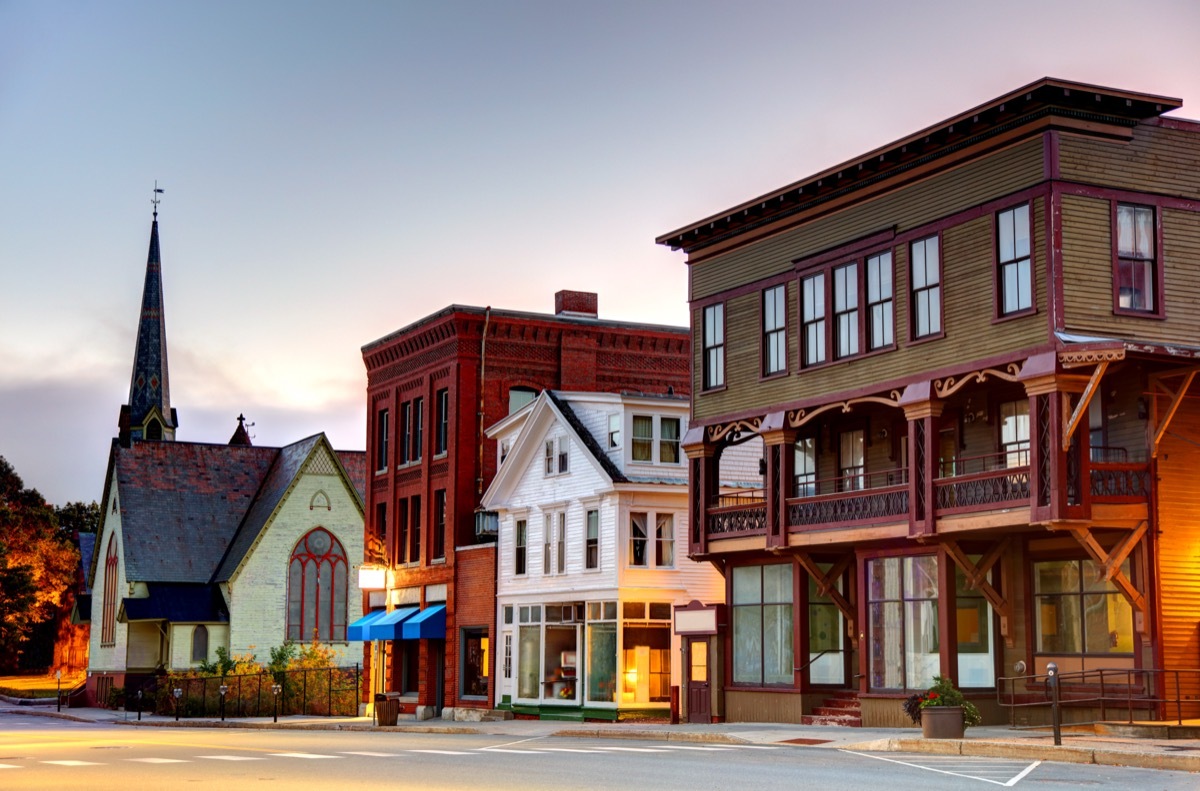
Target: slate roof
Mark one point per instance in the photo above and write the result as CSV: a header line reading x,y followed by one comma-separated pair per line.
x,y
186,506
178,603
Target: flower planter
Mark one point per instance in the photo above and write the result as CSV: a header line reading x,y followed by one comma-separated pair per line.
x,y
942,722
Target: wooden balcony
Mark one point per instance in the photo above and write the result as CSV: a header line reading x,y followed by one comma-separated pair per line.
x,y
741,513
981,483
866,498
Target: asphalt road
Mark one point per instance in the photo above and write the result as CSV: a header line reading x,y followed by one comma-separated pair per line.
x,y
41,753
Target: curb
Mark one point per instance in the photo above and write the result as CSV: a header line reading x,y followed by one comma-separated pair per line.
x,y
658,736
1038,752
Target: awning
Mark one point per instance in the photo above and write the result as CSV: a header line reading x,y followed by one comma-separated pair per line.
x,y
358,630
429,623
388,627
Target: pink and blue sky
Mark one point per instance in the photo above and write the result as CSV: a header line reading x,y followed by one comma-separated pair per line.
x,y
334,171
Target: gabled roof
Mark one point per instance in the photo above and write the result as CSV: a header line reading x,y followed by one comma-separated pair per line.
x,y
186,506
585,438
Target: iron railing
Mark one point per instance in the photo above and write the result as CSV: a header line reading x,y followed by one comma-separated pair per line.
x,y
1113,694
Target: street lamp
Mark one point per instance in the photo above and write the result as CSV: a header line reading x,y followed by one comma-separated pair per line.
x,y
223,689
178,693
58,683
275,690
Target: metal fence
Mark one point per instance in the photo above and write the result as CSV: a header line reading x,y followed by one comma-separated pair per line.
x,y
1103,695
316,692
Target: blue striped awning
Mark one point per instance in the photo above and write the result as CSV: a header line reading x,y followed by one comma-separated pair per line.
x,y
388,627
430,623
357,631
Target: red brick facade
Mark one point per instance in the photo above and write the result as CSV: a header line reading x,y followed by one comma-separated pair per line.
x,y
479,358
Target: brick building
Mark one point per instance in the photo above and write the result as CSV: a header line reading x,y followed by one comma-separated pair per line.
x,y
432,388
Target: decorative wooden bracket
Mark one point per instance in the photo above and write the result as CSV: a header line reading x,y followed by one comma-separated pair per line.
x,y
1082,407
827,586
1111,562
1176,400
977,579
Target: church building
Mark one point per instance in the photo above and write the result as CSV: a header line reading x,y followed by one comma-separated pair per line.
x,y
204,546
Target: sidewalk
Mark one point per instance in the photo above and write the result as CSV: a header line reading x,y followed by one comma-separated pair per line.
x,y
1078,746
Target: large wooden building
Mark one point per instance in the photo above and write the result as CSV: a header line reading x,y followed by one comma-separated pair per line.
x,y
433,387
969,354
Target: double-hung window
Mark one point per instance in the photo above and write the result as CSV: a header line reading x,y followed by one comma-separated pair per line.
x,y
442,441
762,624
381,440
668,440
1136,273
851,461
812,290
439,524
520,545
845,310
554,543
643,438
774,320
1012,255
637,540
557,456
880,311
926,288
1014,433
806,467
614,430
714,346
405,439
418,428
664,544
592,551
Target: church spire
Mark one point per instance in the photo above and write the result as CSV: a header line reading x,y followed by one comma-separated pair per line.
x,y
149,415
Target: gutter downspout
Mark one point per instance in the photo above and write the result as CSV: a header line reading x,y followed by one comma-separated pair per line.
x,y
482,377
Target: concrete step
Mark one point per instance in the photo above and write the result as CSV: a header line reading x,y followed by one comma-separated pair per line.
x,y
840,720
849,704
837,711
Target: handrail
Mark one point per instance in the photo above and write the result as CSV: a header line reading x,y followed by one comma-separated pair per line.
x,y
1075,690
813,659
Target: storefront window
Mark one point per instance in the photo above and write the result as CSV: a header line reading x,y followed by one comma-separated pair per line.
x,y
529,653
561,663
602,652
825,636
762,624
976,657
475,663
903,613
646,654
1080,612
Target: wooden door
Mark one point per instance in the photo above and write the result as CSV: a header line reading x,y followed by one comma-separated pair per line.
x,y
699,695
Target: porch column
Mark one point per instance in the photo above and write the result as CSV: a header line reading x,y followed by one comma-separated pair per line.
x,y
703,486
778,442
922,411
1050,393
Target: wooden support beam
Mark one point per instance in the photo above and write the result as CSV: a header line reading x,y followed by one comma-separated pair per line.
x,y
1176,400
1110,561
827,586
1082,407
977,578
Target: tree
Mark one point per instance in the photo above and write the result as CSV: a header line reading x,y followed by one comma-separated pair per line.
x,y
35,548
16,604
78,517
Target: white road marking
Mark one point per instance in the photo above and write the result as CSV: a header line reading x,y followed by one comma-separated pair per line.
x,y
9,766
568,750
441,752
301,755
751,747
634,749
690,747
72,763
158,760
1007,784
371,755
233,757
503,750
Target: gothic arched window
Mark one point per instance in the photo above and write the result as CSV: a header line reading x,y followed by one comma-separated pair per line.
x,y
108,618
200,643
317,589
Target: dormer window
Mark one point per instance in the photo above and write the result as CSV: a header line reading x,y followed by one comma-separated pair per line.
x,y
557,458
655,439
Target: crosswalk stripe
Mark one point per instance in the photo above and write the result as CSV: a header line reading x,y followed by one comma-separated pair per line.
x,y
233,757
301,755
158,760
72,763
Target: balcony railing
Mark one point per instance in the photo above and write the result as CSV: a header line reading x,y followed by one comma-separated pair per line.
x,y
1120,483
976,483
738,513
863,497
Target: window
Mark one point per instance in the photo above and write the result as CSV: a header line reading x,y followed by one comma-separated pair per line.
x,y
714,346
200,643
762,624
845,310
474,663
926,288
381,440
601,654
806,467
401,553
1078,611
1012,256
442,440
1136,272
418,428
813,319
614,431
664,546
519,397
902,611
880,311
643,438
1014,433
317,589
592,552
406,657
557,458
508,655
381,525
774,318
108,619
645,652
414,547
405,439
637,540
547,542
851,461
519,545
554,543
505,446
976,648
439,524
668,443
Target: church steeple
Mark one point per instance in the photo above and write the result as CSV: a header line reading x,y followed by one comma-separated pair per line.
x,y
149,415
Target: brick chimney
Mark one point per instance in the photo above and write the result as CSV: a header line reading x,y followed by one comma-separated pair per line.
x,y
575,303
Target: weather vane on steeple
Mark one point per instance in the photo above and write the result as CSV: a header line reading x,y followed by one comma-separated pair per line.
x,y
156,200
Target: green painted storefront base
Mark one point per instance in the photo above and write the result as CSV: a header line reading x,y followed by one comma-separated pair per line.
x,y
582,713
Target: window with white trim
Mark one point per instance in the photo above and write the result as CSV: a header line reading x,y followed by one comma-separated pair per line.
x,y
926,288
1012,257
1136,273
774,328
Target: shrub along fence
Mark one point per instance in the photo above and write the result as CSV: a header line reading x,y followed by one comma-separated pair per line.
x,y
314,692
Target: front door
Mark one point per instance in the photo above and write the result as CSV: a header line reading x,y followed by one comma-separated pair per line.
x,y
699,695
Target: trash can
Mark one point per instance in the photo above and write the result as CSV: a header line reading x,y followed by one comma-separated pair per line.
x,y
387,710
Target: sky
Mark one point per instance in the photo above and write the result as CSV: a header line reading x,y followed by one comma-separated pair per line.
x,y
333,171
